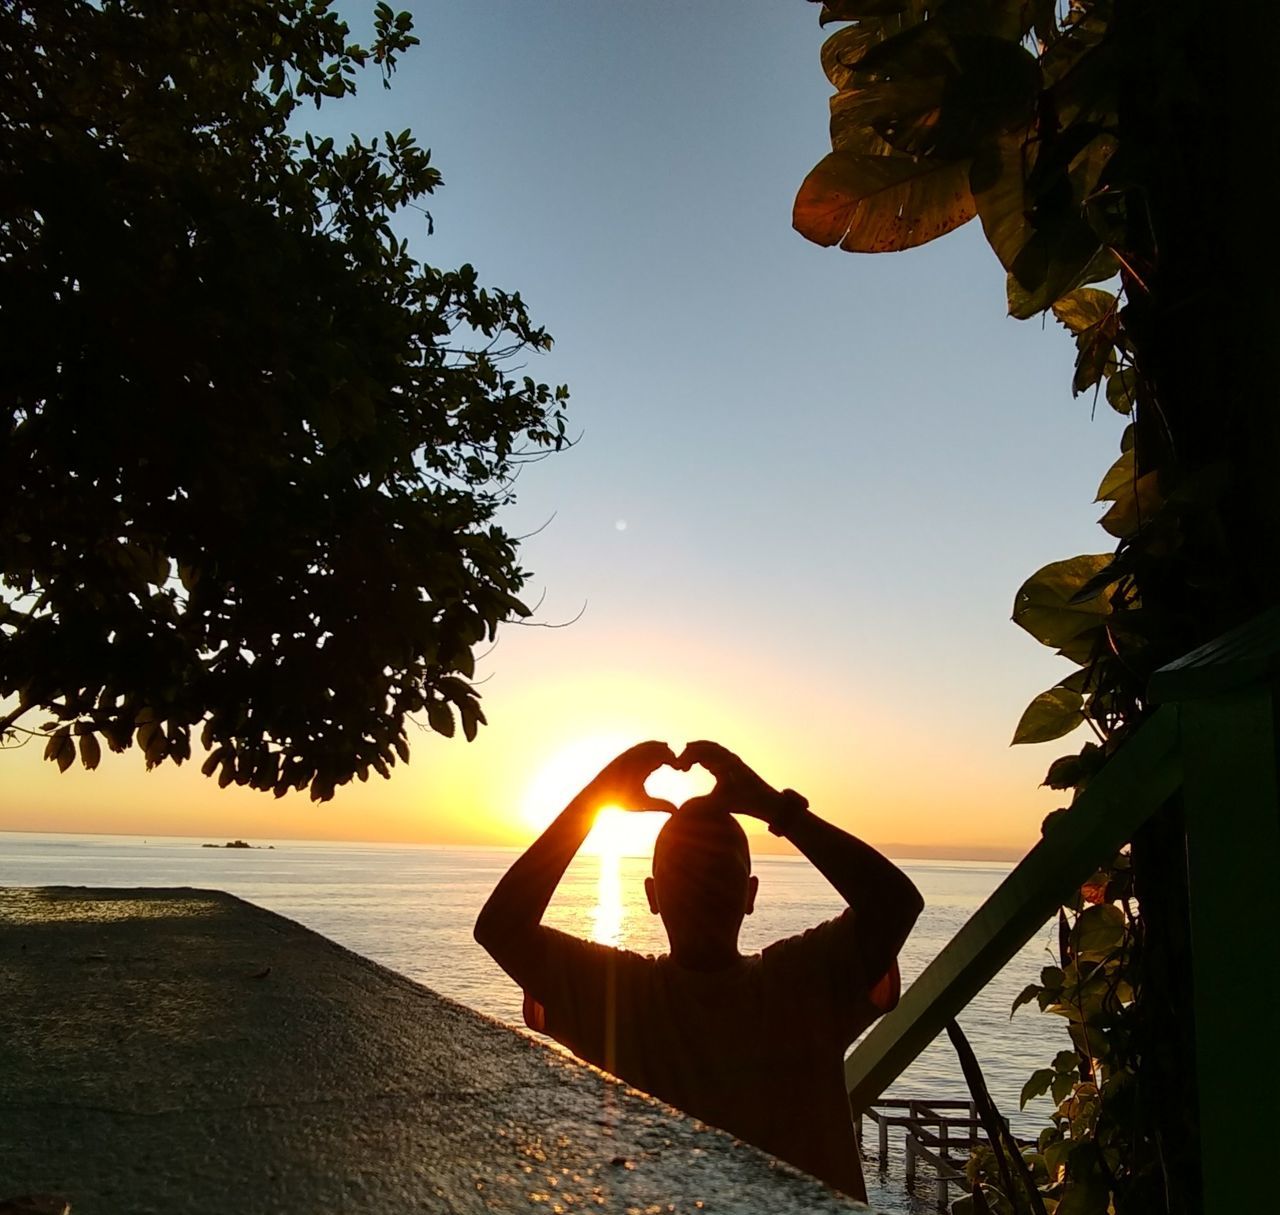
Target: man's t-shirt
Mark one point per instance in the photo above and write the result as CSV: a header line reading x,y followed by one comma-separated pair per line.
x,y
756,1049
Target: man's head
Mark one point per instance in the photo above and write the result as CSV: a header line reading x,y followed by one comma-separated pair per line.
x,y
702,883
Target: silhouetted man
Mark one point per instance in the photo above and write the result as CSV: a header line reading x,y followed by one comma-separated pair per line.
x,y
752,1044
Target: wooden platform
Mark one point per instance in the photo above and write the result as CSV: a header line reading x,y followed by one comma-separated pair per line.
x,y
937,1134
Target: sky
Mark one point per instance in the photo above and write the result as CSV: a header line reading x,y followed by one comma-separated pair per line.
x,y
807,484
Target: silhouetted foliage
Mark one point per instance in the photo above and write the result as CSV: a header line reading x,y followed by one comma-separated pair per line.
x,y
1098,141
251,448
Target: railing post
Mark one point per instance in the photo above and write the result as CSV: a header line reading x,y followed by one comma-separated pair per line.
x,y
944,1154
1233,869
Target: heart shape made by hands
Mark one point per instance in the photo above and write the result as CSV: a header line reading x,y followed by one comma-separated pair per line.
x,y
676,786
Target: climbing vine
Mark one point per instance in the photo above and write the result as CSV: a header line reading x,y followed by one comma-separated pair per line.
x,y
1069,130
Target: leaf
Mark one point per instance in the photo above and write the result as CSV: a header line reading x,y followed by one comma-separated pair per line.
x,y
1066,1061
1086,1195
1025,996
90,751
1050,265
1063,773
996,179
1074,770
440,717
1094,889
61,748
1084,308
1085,647
841,52
1098,931
1118,476
885,116
1043,604
1051,715
1077,681
1036,1086
880,204
66,752
1052,818
1133,507
472,718
1122,388
1061,1089
1056,1156
1097,353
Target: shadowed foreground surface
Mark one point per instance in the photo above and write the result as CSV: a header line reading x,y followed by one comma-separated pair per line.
x,y
182,1051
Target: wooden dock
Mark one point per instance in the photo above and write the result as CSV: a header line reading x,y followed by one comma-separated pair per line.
x,y
938,1134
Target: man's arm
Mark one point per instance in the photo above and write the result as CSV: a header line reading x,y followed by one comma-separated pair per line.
x,y
509,923
885,901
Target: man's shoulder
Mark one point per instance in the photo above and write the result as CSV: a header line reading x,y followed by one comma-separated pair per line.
x,y
836,933
571,950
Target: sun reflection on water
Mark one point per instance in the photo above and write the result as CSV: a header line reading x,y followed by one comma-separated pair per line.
x,y
606,916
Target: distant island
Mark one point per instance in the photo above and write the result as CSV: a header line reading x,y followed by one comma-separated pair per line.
x,y
238,844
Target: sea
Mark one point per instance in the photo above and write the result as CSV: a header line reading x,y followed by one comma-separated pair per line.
x,y
412,908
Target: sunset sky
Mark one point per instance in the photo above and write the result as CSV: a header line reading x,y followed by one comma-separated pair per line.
x,y
808,483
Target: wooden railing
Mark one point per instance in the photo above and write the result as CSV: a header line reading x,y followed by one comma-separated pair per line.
x,y
1214,739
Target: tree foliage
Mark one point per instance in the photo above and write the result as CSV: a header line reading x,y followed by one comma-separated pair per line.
x,y
1085,137
252,449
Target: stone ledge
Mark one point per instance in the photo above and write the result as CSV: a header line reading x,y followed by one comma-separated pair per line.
x,y
184,1052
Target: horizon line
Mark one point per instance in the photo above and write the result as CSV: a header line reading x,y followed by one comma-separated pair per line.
x,y
893,850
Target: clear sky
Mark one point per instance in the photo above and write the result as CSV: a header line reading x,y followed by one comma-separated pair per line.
x,y
808,482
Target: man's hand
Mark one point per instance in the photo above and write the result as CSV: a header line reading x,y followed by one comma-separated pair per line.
x,y
621,782
509,926
739,789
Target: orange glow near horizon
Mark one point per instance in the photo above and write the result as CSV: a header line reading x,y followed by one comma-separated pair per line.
x,y
560,716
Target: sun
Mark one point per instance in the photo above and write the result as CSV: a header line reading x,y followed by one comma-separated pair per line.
x,y
623,833
617,832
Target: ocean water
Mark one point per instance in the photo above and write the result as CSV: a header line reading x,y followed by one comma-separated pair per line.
x,y
412,909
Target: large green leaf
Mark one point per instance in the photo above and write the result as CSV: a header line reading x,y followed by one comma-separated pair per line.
x,y
997,179
1045,262
1122,388
1098,931
867,119
1083,308
1044,603
1054,262
1036,1086
845,48
960,89
1134,504
1051,715
880,204
1118,476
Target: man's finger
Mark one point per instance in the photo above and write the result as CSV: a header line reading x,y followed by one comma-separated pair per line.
x,y
711,755
657,753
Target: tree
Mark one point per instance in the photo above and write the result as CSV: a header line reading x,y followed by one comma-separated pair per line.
x,y
1101,141
252,449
